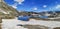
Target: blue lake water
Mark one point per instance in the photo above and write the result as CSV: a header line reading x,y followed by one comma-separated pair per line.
x,y
26,18
43,16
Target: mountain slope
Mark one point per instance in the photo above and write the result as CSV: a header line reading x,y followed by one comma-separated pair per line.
x,y
6,10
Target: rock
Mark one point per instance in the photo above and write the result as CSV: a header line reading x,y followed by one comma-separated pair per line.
x,y
56,28
0,20
35,27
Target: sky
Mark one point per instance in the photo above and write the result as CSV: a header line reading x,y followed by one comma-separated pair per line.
x,y
34,5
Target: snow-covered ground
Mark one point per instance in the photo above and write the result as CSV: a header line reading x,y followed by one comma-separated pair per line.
x,y
12,23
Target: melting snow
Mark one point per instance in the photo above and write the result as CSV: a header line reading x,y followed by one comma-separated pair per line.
x,y
12,24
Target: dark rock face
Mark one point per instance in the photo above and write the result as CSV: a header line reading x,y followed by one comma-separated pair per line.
x,y
0,26
0,20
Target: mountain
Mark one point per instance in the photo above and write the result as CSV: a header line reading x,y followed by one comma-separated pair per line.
x,y
7,11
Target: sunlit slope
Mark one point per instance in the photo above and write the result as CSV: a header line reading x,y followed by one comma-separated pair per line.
x,y
6,10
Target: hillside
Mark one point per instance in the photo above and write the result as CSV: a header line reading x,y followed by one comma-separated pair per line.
x,y
7,11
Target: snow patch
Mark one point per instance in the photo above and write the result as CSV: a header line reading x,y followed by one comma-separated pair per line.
x,y
14,22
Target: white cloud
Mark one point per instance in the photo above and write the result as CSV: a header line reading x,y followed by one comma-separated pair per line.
x,y
44,6
14,5
19,1
35,8
58,6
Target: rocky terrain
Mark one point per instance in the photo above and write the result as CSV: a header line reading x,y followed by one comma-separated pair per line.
x,y
6,10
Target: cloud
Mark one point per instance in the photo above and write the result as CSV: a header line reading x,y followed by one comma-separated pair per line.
x,y
58,7
19,1
44,6
14,5
35,8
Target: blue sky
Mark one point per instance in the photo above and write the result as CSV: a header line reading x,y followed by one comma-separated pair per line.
x,y
34,5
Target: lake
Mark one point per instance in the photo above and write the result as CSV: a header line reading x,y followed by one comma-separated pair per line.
x,y
26,18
